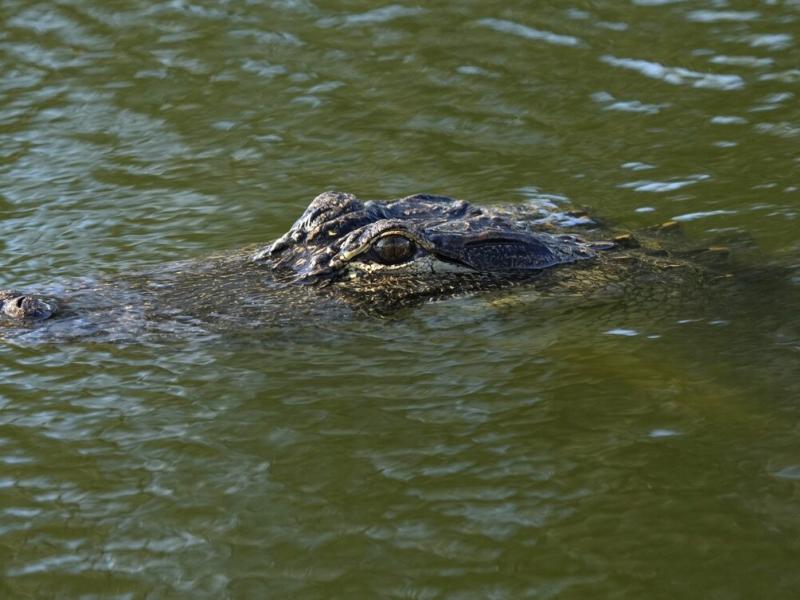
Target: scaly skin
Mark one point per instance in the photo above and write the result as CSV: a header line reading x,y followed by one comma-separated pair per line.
x,y
346,255
17,305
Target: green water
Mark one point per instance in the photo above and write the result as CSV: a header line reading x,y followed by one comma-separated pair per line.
x,y
501,447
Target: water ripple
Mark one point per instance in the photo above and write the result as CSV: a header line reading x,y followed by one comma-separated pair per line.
x,y
771,41
676,75
715,16
664,186
378,15
694,216
531,33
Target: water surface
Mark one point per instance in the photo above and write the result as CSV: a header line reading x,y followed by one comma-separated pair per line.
x,y
502,446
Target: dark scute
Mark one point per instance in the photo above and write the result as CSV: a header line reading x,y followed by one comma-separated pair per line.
x,y
428,207
502,255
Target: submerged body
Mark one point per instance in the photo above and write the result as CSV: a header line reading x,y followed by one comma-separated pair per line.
x,y
345,256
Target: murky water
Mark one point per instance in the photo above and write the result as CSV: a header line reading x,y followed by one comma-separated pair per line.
x,y
486,447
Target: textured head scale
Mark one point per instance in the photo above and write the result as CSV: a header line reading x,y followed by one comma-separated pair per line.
x,y
421,245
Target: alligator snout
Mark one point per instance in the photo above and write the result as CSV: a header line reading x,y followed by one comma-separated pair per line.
x,y
17,305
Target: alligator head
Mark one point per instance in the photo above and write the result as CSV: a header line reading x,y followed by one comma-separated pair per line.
x,y
385,255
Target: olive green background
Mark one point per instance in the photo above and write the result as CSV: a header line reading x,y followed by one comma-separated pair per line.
x,y
490,447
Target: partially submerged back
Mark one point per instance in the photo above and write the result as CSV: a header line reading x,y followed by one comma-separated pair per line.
x,y
345,256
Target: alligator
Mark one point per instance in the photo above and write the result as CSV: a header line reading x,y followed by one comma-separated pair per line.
x,y
348,256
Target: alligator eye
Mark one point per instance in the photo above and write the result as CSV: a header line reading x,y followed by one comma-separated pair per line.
x,y
393,249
